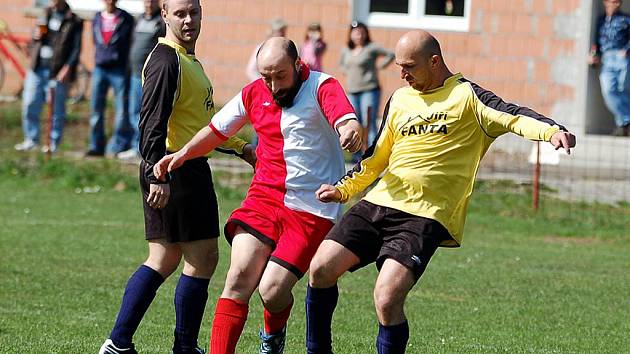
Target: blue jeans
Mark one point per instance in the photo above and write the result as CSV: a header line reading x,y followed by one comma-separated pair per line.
x,y
615,82
366,105
34,95
102,79
135,103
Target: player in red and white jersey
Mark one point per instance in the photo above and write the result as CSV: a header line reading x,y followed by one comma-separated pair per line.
x,y
303,120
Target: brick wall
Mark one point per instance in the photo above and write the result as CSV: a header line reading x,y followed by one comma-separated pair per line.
x,y
510,47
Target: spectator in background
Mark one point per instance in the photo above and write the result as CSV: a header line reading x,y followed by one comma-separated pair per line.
x,y
611,48
54,57
278,29
149,26
111,32
314,47
359,63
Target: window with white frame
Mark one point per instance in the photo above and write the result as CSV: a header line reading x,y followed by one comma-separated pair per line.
x,y
132,6
445,15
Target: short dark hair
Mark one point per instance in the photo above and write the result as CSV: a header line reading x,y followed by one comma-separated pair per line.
x,y
356,24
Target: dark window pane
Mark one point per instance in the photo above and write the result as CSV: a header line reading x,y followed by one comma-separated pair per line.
x,y
394,6
445,7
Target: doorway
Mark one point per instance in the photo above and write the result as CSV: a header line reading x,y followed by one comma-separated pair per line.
x,y
599,120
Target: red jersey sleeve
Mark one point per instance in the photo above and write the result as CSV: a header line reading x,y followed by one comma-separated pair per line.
x,y
334,102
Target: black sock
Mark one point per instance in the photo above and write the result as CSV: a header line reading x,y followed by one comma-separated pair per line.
x,y
320,305
139,294
191,295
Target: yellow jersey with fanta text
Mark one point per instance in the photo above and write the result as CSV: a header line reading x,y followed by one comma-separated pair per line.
x,y
431,143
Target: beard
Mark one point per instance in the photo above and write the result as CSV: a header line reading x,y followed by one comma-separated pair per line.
x,y
284,98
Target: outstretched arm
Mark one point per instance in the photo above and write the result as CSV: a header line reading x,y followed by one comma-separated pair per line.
x,y
202,143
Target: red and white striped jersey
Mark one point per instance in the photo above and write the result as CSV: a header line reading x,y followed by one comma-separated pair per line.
x,y
298,146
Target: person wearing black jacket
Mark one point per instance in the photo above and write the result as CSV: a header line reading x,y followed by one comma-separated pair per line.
x,y
54,54
112,30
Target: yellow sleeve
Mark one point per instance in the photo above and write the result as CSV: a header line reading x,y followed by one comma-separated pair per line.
x,y
496,122
232,146
374,161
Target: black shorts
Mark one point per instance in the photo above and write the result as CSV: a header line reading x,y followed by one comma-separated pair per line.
x,y
375,233
191,213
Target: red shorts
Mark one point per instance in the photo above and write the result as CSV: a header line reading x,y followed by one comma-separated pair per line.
x,y
293,235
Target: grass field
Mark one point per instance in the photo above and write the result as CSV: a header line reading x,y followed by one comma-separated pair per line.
x,y
72,233
553,282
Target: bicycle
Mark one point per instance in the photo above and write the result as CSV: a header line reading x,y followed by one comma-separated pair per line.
x,y
19,44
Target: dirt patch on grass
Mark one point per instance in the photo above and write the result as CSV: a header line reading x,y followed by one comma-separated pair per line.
x,y
572,240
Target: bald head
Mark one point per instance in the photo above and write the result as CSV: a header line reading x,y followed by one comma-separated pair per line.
x,y
419,43
276,50
419,57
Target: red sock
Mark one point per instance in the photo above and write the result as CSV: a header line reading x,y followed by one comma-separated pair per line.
x,y
227,326
275,322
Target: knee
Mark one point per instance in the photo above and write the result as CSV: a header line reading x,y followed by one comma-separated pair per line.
x,y
322,273
164,263
271,291
388,302
201,265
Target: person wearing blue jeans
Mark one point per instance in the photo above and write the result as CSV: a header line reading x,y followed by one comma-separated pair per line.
x,y
54,57
102,79
611,48
149,27
36,91
360,63
366,105
111,31
614,78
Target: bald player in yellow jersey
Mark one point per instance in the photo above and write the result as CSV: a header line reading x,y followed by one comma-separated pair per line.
x,y
431,141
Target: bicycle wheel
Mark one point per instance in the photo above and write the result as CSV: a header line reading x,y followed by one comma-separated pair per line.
x,y
81,85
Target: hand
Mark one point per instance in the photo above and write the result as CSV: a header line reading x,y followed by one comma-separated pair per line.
x,y
63,74
249,155
158,195
593,60
623,53
327,193
167,164
350,135
564,140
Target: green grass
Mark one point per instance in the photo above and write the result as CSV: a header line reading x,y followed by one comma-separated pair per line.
x,y
555,281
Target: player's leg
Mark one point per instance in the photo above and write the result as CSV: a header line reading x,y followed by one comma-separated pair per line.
x,y
331,261
409,242
275,289
300,236
354,242
191,294
247,262
392,286
140,291
193,223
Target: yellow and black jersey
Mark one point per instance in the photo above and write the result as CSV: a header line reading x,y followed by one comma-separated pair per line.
x,y
431,144
176,103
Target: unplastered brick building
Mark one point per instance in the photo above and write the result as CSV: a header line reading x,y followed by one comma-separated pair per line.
x,y
530,52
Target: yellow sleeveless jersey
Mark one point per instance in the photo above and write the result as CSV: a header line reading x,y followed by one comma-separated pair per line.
x,y
176,103
430,145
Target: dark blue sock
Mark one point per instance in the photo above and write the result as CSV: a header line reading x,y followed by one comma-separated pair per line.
x,y
139,294
320,305
392,339
190,302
